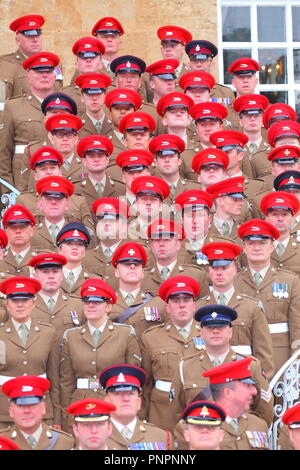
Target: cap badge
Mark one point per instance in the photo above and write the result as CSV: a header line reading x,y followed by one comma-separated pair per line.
x,y
169,33
96,142
26,388
252,102
128,64
133,159
220,139
210,155
108,24
286,128
197,79
121,95
218,252
107,207
90,406
279,200
277,111
62,121
168,67
192,199
287,152
255,229
177,98
17,213
149,185
93,82
206,111
19,285
137,120
75,233
43,59
45,154
32,23
204,411
91,289
165,143
131,252
87,46
57,101
198,48
243,66
160,227
180,284
121,378
292,179
54,185
214,315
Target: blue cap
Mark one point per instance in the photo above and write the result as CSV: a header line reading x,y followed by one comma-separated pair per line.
x,y
215,315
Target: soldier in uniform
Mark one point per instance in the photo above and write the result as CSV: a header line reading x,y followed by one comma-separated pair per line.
x,y
95,151
233,388
27,409
278,112
163,346
28,345
51,305
22,118
203,425
89,349
123,385
128,71
109,31
289,181
28,39
166,238
162,78
134,306
251,333
279,209
189,383
277,289
285,132
88,52
92,426
93,87
250,109
209,165
289,434
19,226
73,241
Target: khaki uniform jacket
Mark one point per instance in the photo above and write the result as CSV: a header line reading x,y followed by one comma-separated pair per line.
x,y
42,240
37,357
260,164
81,359
153,281
9,267
251,435
278,310
234,237
68,313
144,432
189,385
74,291
47,440
290,259
22,122
162,348
249,329
145,316
88,127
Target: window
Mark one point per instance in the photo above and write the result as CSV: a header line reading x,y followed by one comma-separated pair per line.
x,y
268,31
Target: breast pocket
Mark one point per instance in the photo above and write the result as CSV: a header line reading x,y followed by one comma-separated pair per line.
x,y
164,362
276,308
241,332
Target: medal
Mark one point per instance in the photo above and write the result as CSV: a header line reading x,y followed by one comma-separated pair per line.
x,y
74,317
198,342
275,289
201,259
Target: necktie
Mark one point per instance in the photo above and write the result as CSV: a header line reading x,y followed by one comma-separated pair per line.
x,y
24,332
98,127
129,299
67,165
53,230
70,279
226,229
216,362
99,188
18,258
32,442
107,252
96,336
172,189
280,249
221,299
51,304
164,274
234,423
126,433
252,147
257,278
183,332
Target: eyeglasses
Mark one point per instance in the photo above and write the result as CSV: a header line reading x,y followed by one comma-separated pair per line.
x,y
61,135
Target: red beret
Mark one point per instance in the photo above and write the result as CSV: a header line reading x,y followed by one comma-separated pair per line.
x,y
179,285
175,99
229,371
46,154
244,66
228,138
137,121
150,186
284,154
17,215
26,386
20,286
123,96
129,252
87,45
163,228
27,23
194,198
164,67
95,287
41,61
108,24
174,33
203,413
251,102
292,417
221,251
55,185
208,111
46,260
110,206
90,410
278,112
93,143
197,79
8,444
93,81
209,156
286,128
229,187
3,239
134,158
258,229
63,121
279,200
166,142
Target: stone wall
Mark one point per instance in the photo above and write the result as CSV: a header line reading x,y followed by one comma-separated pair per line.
x,y
68,20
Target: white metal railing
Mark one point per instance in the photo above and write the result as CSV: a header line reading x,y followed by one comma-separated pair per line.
x,y
9,198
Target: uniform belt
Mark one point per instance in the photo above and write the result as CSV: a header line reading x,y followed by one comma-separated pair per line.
x,y
90,383
278,327
5,378
163,385
20,148
2,105
244,349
